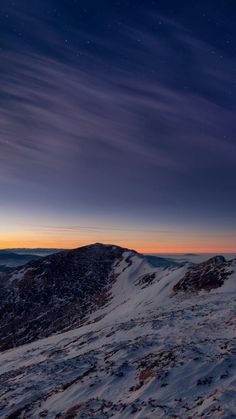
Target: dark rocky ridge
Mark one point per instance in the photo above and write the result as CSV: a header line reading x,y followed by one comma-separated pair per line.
x,y
206,275
55,293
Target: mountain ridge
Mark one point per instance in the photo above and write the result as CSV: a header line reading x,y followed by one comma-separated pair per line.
x,y
59,291
134,349
147,350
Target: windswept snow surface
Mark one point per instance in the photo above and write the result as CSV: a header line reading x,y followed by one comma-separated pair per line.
x,y
149,353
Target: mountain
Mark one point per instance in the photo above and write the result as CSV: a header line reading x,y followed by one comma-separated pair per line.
x,y
55,292
206,275
10,259
132,337
60,291
38,251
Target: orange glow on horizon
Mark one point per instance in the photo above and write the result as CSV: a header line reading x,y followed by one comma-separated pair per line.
x,y
161,239
184,247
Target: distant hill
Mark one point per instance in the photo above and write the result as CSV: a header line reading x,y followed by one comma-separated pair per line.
x,y
190,254
35,251
13,258
10,259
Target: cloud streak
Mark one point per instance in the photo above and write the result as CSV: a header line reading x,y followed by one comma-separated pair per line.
x,y
142,123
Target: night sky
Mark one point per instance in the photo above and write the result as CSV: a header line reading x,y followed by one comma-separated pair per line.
x,y
117,124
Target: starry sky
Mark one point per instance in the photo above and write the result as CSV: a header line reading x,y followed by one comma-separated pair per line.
x,y
117,124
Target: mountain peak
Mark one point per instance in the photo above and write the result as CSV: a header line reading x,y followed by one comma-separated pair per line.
x,y
103,247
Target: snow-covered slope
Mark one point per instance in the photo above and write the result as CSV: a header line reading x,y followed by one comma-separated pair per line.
x,y
61,291
154,349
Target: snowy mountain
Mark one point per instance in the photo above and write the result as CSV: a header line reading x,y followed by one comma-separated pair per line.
x,y
133,337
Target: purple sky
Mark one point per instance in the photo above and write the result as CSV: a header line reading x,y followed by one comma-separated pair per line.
x,y
118,121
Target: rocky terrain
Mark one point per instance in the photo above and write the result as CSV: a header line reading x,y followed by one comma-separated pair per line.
x,y
55,293
206,275
158,342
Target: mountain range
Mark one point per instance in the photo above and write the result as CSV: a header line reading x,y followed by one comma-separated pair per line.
x,y
38,251
103,331
11,258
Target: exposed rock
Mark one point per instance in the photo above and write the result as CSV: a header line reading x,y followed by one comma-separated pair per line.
x,y
206,275
55,293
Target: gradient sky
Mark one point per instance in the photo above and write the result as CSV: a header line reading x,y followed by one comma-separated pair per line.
x,y
117,124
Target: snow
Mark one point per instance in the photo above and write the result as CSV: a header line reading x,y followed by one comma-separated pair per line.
x,y
148,353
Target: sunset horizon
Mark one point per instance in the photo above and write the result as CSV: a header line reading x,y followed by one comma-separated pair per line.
x,y
118,125
67,245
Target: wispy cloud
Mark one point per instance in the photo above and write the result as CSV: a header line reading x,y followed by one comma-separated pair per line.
x,y
50,110
149,122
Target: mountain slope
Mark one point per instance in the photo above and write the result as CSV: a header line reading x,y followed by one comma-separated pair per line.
x,y
61,291
154,349
55,292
